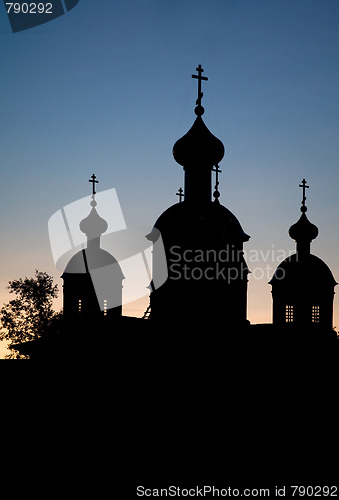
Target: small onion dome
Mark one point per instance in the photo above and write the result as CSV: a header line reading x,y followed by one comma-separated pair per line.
x,y
303,230
198,147
93,225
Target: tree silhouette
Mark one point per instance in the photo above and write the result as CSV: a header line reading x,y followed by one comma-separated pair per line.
x,y
30,315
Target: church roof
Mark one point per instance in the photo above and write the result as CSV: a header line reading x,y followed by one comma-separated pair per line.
x,y
186,220
89,259
308,270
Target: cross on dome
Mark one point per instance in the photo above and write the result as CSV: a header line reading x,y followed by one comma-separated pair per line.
x,y
199,110
303,231
217,171
93,181
180,193
304,186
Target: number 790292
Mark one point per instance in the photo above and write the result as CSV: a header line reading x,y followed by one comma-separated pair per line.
x,y
29,8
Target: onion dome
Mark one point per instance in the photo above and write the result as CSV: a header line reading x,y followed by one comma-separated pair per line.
x,y
198,147
93,225
303,230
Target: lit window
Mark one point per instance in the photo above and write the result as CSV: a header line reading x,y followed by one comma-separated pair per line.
x,y
289,314
79,306
105,307
315,314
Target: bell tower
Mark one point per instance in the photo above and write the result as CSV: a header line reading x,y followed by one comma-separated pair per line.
x,y
92,278
303,285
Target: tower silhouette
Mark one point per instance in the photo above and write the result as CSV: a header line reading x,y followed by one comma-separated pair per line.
x,y
92,278
303,285
203,240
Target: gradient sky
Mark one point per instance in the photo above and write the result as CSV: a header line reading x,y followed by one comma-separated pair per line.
x,y
107,88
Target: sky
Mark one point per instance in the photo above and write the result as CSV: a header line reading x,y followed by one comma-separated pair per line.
x,y
107,89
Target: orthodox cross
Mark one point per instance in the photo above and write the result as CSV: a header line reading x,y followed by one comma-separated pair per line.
x,y
303,185
217,171
180,193
93,181
199,77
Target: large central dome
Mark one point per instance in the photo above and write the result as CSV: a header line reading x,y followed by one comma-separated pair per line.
x,y
207,223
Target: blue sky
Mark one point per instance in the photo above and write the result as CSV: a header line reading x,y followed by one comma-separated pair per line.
x,y
107,88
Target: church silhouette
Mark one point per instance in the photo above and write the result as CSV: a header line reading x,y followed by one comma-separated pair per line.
x,y
81,299
303,285
205,294
206,393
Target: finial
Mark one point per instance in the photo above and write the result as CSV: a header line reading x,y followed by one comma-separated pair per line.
x,y
180,193
199,110
216,193
303,207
